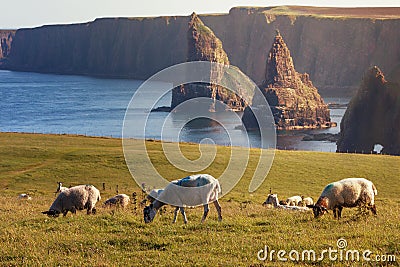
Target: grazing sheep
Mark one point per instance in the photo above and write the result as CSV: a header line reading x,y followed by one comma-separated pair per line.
x,y
272,199
75,198
350,192
118,200
306,201
293,201
60,188
207,189
24,197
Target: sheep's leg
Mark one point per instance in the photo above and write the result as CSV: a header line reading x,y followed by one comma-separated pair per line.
x,y
90,208
183,215
373,209
335,212
219,210
340,208
175,214
206,209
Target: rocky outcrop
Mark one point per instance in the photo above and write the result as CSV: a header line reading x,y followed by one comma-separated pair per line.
x,y
321,44
295,102
6,37
203,45
372,117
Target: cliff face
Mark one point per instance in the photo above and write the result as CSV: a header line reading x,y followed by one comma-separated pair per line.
x,y
203,45
6,38
294,101
373,117
137,48
121,48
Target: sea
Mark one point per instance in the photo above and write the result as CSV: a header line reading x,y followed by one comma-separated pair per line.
x,y
68,104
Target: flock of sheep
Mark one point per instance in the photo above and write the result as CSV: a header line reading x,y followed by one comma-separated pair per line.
x,y
350,192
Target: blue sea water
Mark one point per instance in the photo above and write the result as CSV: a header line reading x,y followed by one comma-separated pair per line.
x,y
48,103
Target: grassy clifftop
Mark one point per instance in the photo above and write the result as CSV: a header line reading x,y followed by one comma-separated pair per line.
x,y
330,12
34,163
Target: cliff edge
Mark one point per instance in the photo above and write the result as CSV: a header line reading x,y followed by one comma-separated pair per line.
x,y
322,42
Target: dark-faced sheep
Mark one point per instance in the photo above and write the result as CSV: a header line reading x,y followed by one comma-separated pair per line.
x,y
349,193
75,198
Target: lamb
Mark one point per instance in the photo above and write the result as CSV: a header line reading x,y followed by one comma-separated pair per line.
x,y
75,198
204,189
118,200
293,201
272,199
350,192
306,201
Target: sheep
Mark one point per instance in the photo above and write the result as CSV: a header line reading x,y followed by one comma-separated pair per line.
x,y
206,189
306,201
293,201
75,198
24,197
350,192
272,199
60,188
118,200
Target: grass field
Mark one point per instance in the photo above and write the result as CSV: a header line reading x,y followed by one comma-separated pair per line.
x,y
34,163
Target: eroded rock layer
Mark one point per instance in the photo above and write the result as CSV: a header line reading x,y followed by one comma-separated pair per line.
x,y
294,101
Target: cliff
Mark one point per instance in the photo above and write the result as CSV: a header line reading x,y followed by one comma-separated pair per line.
x,y
322,41
203,45
294,101
6,37
372,117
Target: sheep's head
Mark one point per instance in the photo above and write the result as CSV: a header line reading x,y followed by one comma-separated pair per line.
x,y
272,199
318,210
52,213
149,213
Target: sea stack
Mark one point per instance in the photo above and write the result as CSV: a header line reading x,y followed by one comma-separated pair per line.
x,y
203,45
372,117
295,102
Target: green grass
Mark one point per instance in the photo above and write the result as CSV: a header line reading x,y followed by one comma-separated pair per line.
x,y
34,163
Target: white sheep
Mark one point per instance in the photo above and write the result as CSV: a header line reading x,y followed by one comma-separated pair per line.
x,y
204,189
75,198
350,192
293,201
60,188
306,201
118,200
272,199
24,197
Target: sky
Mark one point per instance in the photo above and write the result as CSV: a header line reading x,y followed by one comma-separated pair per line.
x,y
32,13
